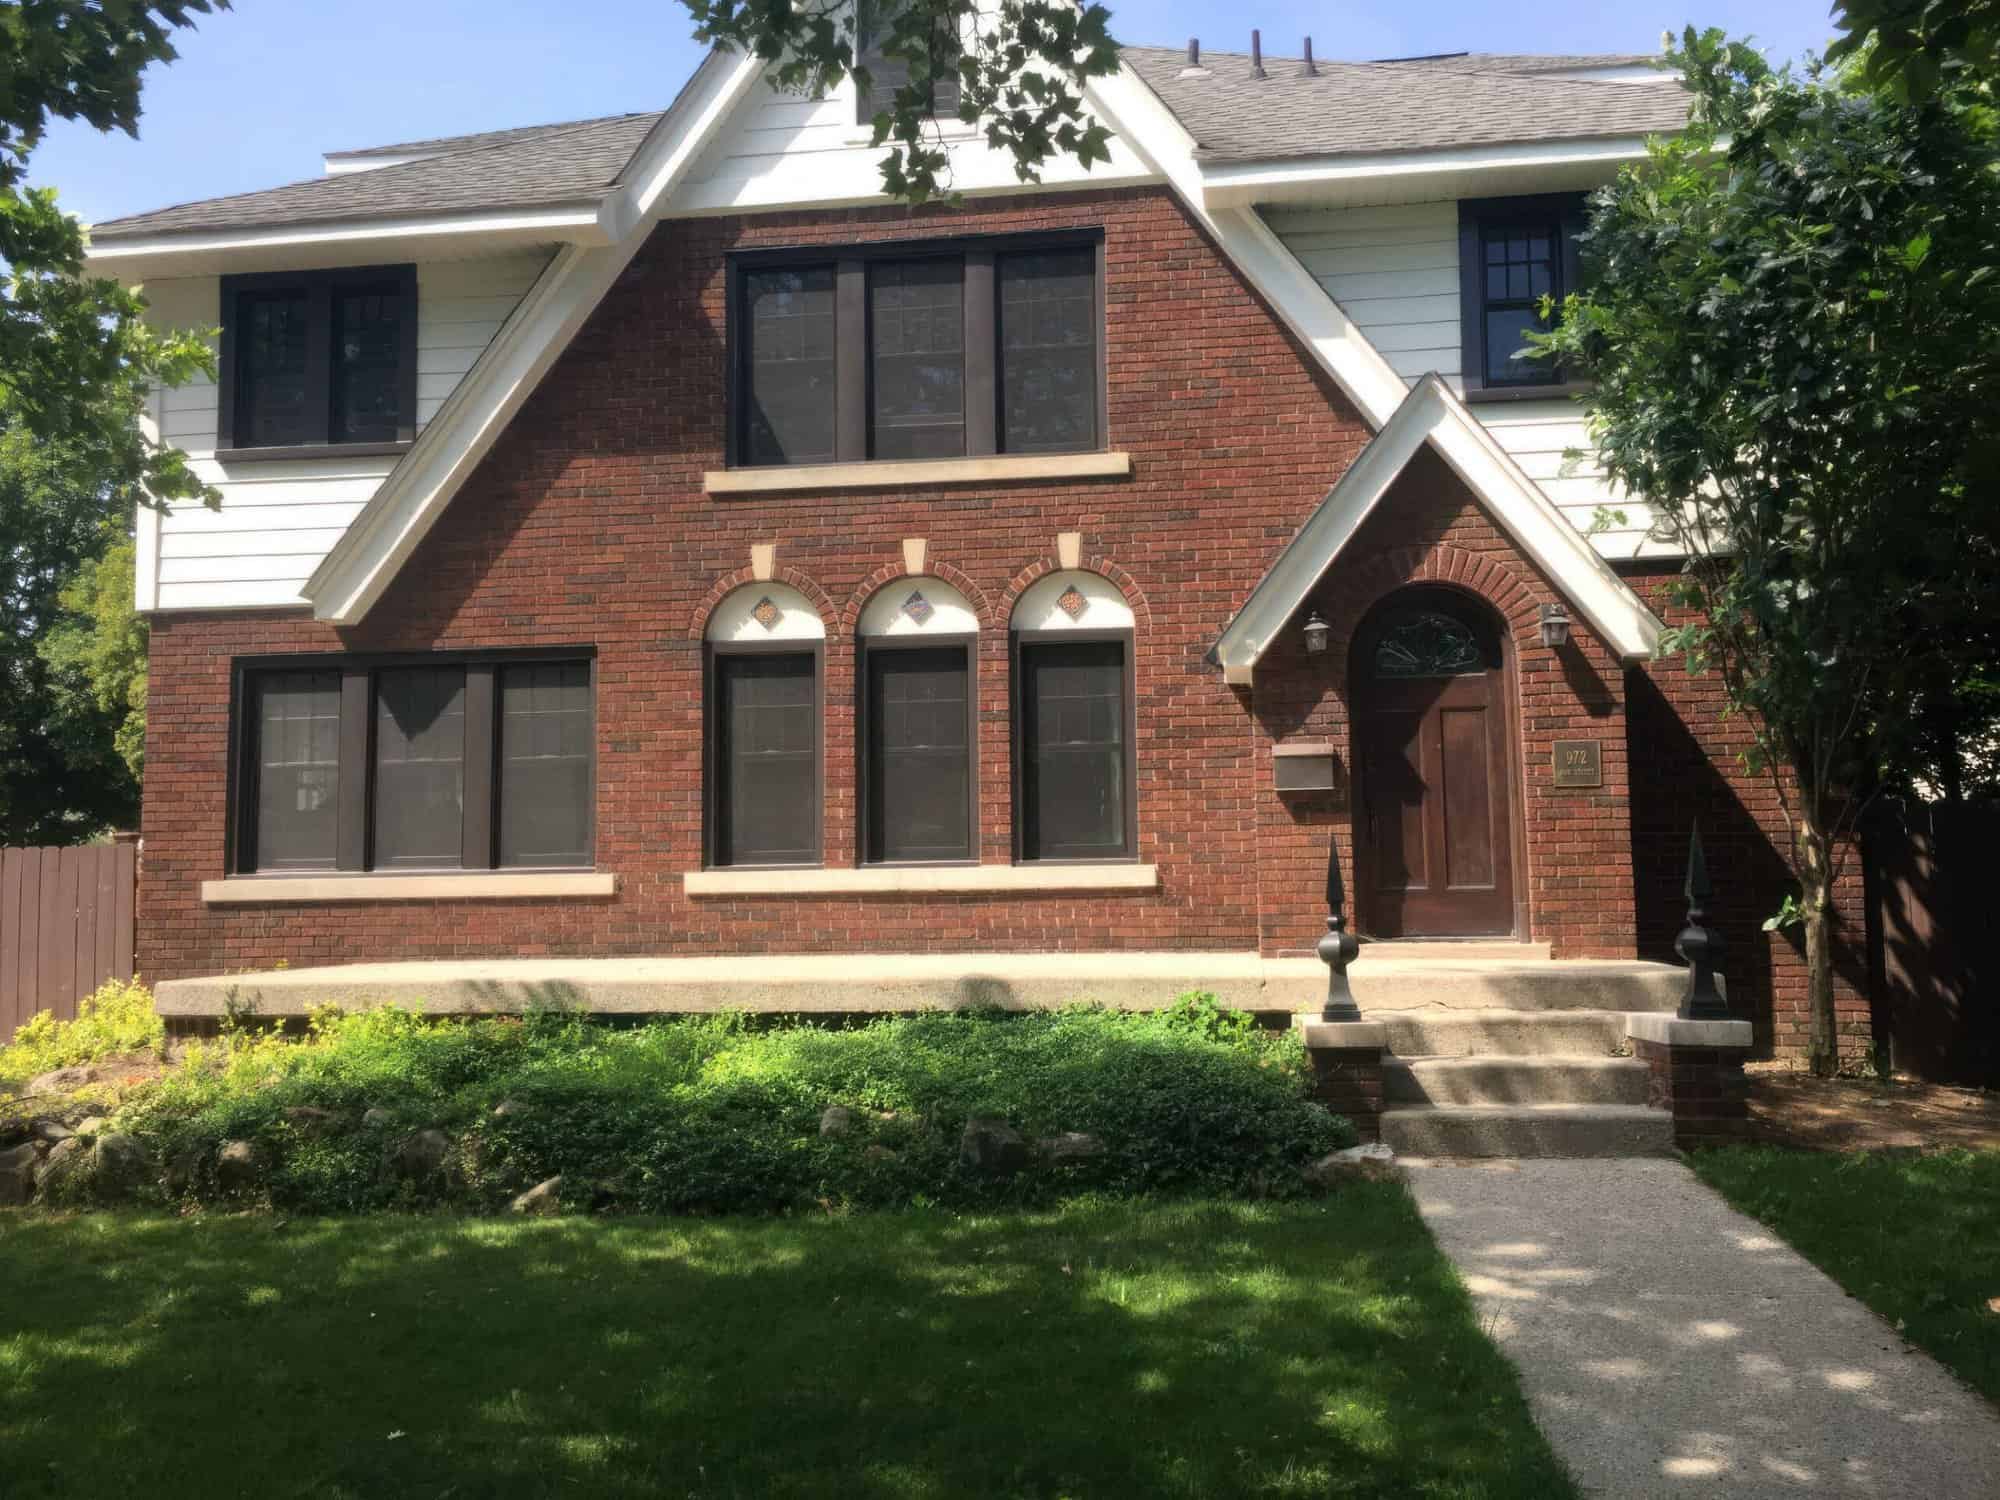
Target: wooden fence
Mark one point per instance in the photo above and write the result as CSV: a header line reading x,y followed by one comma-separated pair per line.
x,y
65,926
1931,942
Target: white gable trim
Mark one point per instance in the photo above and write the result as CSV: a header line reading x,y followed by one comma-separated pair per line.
x,y
1432,414
363,562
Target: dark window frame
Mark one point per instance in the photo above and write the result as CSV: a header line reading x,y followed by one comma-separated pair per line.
x,y
855,393
945,81
1018,678
711,757
864,748
1563,214
319,288
480,831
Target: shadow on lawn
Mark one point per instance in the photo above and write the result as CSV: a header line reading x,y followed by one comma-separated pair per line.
x,y
1118,1351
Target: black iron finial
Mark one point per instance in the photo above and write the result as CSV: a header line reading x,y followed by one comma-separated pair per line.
x,y
1338,948
1700,944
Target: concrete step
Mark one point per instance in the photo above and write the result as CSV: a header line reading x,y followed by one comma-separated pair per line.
x,y
1436,1032
1384,980
1514,1080
1528,1130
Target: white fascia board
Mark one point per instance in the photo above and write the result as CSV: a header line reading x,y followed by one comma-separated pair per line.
x,y
1320,323
365,560
1249,182
1433,414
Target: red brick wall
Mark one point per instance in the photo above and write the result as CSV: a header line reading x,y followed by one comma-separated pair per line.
x,y
587,524
1687,768
1428,528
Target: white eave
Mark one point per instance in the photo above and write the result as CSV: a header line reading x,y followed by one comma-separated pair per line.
x,y
1432,414
1461,172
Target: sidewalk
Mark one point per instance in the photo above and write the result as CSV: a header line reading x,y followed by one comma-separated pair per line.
x,y
1671,1346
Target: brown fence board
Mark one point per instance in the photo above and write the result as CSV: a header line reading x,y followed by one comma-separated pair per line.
x,y
66,926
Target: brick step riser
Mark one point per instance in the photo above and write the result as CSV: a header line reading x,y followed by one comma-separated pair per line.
x,y
1513,1081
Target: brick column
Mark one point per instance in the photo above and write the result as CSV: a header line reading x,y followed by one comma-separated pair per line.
x,y
1695,1071
1347,1069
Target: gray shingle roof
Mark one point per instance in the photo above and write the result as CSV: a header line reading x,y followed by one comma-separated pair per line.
x,y
1408,105
1526,62
1424,104
538,167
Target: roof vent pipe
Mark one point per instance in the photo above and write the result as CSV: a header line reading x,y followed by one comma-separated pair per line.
x,y
1194,52
1311,68
1257,54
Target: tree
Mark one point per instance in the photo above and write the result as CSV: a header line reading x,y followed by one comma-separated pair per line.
x,y
76,362
96,654
1908,47
1792,337
1021,67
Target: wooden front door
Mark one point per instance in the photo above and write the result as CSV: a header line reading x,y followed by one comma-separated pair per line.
x,y
1433,822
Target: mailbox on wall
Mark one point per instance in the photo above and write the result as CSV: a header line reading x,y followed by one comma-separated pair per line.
x,y
1309,766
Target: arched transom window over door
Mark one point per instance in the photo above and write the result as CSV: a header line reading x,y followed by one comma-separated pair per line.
x,y
1434,784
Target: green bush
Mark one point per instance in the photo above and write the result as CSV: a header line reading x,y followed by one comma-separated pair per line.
x,y
718,1115
116,1018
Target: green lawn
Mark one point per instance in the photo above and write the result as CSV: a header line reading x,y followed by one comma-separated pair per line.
x,y
1126,1350
1917,1238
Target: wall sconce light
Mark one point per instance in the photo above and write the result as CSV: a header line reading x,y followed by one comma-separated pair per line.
x,y
1554,626
1318,633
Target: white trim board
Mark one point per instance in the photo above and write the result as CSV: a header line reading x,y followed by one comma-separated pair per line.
x,y
1433,415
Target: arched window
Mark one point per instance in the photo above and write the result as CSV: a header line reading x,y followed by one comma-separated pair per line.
x,y
918,715
1074,727
765,646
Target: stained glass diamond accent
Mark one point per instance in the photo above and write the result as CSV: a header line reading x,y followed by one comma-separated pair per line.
x,y
1072,602
767,613
918,608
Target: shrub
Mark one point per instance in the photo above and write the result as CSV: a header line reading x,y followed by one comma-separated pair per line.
x,y
117,1017
720,1115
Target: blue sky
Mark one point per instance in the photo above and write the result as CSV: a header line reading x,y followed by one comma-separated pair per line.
x,y
260,91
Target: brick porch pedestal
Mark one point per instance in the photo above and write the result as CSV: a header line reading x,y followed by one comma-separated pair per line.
x,y
1347,1069
1695,1072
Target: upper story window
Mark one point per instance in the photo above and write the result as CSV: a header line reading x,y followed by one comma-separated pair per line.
x,y
318,359
1512,253
432,763
919,351
888,74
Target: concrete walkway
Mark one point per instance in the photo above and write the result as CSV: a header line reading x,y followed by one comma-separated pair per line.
x,y
1672,1347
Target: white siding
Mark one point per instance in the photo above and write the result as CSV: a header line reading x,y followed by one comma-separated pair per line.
x,y
779,149
278,520
1395,270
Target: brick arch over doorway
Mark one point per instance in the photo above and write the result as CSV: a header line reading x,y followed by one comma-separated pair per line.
x,y
1576,864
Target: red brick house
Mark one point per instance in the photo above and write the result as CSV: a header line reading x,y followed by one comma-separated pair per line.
x,y
639,538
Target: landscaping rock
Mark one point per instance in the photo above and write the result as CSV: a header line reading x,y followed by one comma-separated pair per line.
x,y
238,1165
507,1108
49,1132
879,1153
1371,1163
119,1163
541,1200
17,1174
60,1081
377,1118
836,1119
420,1155
61,1166
93,1125
1070,1146
181,1170
312,1122
993,1147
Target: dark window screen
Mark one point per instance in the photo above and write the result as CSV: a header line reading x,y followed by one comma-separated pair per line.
x,y
919,757
887,75
419,767
271,384
297,768
789,366
545,756
767,759
1048,351
1522,264
1073,750
367,362
916,318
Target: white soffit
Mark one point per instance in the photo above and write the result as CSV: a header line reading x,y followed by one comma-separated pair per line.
x,y
1433,415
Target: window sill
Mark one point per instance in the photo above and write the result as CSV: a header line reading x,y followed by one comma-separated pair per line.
x,y
309,450
508,885
922,880
1496,394
995,468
